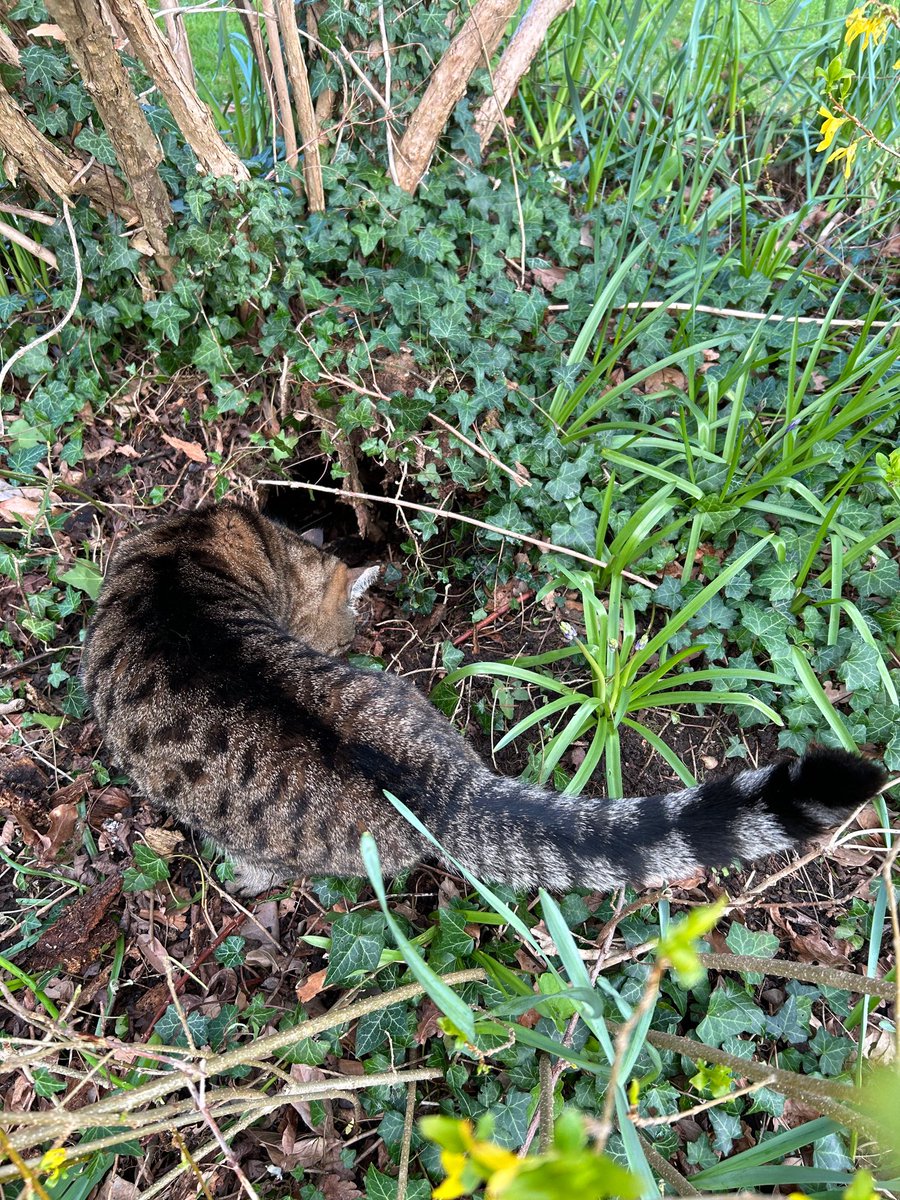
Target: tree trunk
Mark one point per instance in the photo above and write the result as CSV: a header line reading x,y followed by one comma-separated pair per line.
x,y
474,43
281,89
90,44
306,117
517,58
53,172
190,113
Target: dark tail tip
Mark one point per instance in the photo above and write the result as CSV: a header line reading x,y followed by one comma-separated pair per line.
x,y
836,779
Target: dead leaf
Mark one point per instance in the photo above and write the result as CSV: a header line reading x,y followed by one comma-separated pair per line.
x,y
428,1022
549,277
116,1188
76,938
192,450
154,952
26,502
666,377
813,948
834,694
162,841
311,986
63,819
47,30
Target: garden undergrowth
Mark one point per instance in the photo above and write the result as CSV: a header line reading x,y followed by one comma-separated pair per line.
x,y
734,477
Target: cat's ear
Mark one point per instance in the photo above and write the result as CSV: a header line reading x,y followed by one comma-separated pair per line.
x,y
360,580
315,537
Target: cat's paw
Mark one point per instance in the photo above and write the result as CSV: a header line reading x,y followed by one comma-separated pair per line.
x,y
251,878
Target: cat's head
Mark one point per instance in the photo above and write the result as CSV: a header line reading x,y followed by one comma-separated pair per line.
x,y
323,595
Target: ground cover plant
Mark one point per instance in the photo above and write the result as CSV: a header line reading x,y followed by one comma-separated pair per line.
x,y
647,344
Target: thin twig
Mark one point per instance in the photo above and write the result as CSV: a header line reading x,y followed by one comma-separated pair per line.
x,y
408,1118
389,133
31,214
509,151
519,480
605,937
545,1103
666,1171
864,129
493,616
672,1118
545,546
28,243
744,314
61,324
198,1095
623,1036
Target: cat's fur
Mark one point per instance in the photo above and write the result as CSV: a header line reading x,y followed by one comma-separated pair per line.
x,y
212,669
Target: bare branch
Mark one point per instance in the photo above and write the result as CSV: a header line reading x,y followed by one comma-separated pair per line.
x,y
306,117
481,32
515,61
190,113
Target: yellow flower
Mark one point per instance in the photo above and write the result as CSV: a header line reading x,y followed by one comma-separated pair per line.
x,y
500,1180
453,1186
872,29
54,1161
848,154
830,126
490,1158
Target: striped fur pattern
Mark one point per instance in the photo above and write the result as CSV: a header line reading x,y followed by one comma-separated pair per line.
x,y
212,666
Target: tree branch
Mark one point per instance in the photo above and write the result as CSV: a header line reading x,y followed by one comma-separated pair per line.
x,y
90,44
306,117
515,61
190,113
479,35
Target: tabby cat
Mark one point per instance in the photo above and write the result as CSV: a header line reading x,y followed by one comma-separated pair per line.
x,y
212,668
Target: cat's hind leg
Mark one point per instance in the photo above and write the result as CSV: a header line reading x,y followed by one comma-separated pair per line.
x,y
250,877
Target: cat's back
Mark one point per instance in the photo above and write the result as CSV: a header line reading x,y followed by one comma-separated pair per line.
x,y
179,610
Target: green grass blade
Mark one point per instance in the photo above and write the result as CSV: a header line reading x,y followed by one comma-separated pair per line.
x,y
441,995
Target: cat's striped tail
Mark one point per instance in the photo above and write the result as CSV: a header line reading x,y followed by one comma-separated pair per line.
x,y
525,836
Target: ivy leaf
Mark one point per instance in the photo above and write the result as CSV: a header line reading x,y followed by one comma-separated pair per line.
x,y
375,1028
231,952
566,482
766,624
791,1022
449,325
730,1011
383,1187
742,940
167,316
452,938
830,1051
150,868
84,575
883,579
726,1128
97,144
122,256
777,581
46,1084
43,67
353,951
466,407
859,670
171,1030
579,532
210,356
